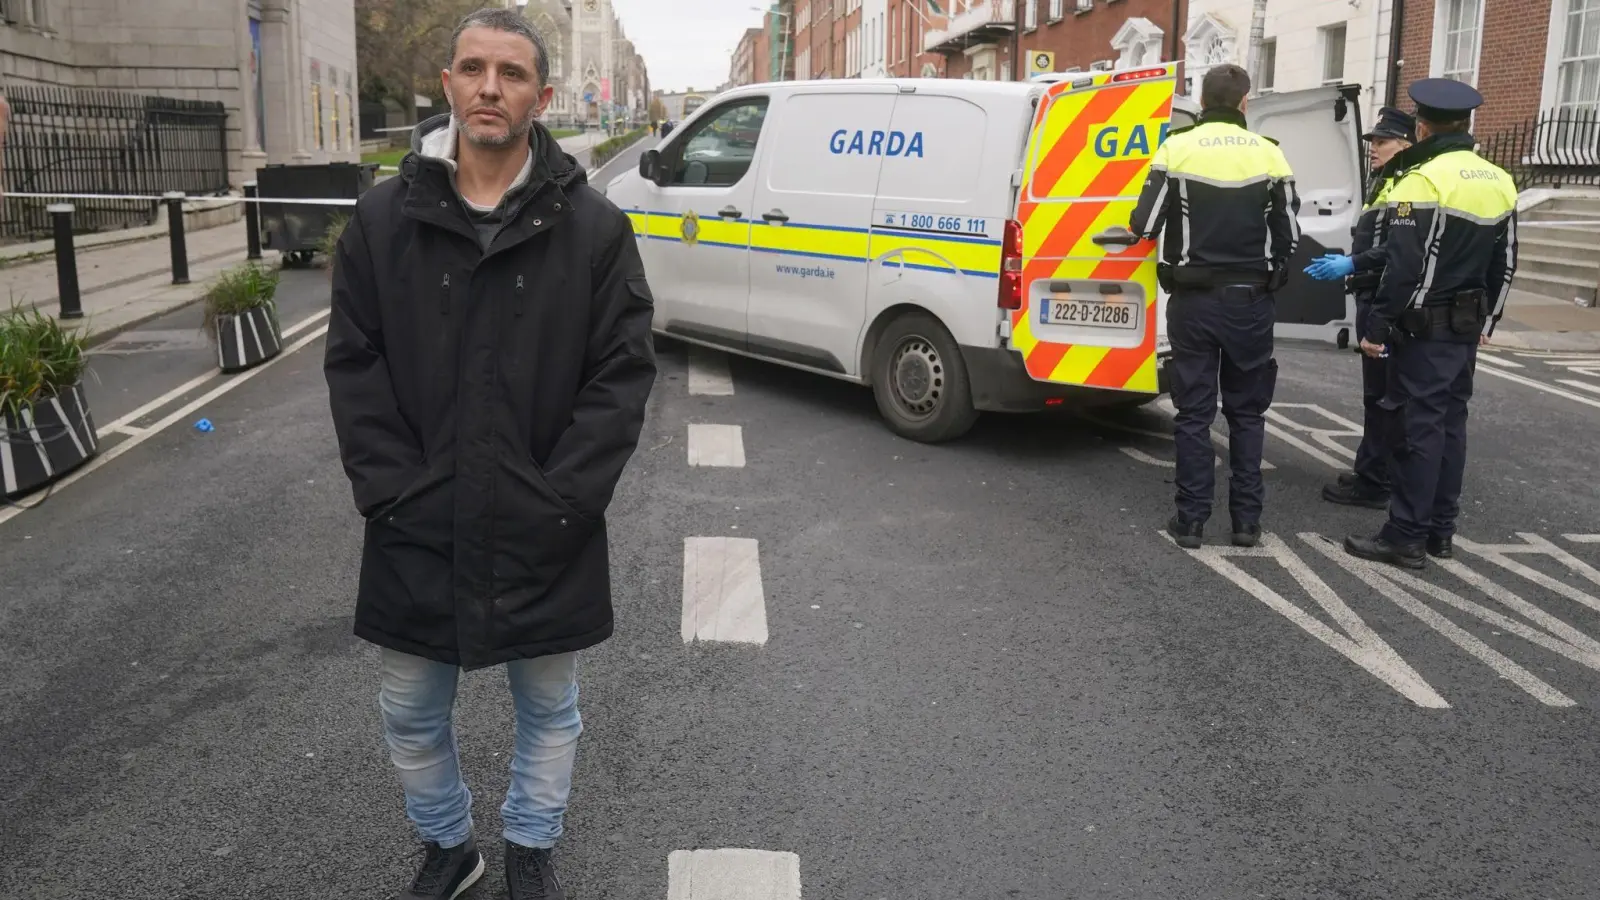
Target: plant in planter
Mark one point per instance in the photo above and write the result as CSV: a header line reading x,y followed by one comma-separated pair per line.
x,y
330,239
242,318
46,430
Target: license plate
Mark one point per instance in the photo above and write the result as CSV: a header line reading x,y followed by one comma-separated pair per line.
x,y
1093,313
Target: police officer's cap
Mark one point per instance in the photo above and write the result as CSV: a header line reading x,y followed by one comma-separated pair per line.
x,y
1444,99
1393,123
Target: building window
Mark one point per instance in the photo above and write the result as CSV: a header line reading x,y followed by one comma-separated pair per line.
x,y
1457,30
1333,54
41,13
1578,72
1030,14
316,114
1085,5
1269,65
1056,10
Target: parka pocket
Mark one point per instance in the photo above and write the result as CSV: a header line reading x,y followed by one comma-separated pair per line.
x,y
537,533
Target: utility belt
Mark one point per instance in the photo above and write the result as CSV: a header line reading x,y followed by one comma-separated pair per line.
x,y
1363,282
1173,277
1459,319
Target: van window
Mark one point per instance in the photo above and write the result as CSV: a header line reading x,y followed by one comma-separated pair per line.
x,y
717,151
942,141
830,142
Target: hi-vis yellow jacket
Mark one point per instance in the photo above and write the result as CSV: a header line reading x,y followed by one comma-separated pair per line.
x,y
1452,228
1227,201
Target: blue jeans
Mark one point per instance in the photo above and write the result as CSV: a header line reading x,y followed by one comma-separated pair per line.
x,y
417,696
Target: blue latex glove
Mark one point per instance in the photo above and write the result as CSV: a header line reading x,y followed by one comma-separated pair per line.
x,y
1331,267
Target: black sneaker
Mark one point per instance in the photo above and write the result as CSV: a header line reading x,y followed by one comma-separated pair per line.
x,y
1441,548
1376,549
530,875
1347,478
446,872
1246,535
1355,495
1187,534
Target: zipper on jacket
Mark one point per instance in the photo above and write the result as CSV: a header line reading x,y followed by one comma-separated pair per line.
x,y
519,299
444,296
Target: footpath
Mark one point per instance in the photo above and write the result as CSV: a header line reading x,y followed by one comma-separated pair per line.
x,y
125,277
1536,322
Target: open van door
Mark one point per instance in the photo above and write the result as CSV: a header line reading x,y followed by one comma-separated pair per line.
x,y
1088,308
1319,131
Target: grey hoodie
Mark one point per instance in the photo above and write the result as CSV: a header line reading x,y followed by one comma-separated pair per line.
x,y
436,137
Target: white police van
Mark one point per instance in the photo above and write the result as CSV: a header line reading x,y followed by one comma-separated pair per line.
x,y
955,245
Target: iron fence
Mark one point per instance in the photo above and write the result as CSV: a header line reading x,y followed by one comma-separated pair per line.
x,y
1552,150
80,141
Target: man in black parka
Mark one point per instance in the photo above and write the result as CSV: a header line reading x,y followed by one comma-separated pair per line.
x,y
488,361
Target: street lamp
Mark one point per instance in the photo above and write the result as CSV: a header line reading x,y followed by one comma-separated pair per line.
x,y
783,49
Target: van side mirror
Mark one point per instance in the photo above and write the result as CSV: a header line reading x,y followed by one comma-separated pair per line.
x,y
649,163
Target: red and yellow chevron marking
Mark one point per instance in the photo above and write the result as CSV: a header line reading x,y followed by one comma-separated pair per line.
x,y
1090,148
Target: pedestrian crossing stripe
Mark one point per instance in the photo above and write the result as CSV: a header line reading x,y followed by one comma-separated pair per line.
x,y
1088,154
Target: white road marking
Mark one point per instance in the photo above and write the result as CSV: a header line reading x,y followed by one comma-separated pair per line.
x,y
722,594
708,372
716,445
1585,645
121,424
124,430
1539,354
1541,386
732,875
1580,385
1500,555
171,419
1388,583
1164,404
1583,538
1327,437
1499,361
1358,642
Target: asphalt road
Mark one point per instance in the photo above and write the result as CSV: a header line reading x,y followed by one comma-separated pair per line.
x,y
986,673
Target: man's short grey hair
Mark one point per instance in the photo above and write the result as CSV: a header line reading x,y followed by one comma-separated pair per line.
x,y
511,22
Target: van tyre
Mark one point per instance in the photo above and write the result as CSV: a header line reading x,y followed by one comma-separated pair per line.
x,y
919,379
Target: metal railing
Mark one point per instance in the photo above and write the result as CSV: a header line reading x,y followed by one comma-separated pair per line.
x,y
1551,150
79,141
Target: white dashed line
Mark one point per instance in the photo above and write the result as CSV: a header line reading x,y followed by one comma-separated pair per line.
x,y
716,445
722,596
1495,360
732,875
708,372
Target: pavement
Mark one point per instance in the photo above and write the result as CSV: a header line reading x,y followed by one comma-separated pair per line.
x,y
971,670
1536,322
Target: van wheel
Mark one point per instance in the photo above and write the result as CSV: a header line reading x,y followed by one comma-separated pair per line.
x,y
920,381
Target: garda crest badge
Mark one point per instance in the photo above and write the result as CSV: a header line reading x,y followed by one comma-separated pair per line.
x,y
689,227
1403,210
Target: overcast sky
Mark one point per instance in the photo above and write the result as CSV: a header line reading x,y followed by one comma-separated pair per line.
x,y
687,43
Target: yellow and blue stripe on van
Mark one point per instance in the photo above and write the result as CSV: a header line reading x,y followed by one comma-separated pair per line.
x,y
922,250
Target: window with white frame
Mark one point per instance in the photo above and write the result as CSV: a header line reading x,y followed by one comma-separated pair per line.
x,y
1269,65
1057,9
1085,5
1458,33
1333,53
1578,68
1030,14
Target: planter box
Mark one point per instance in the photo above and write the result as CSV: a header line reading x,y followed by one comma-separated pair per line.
x,y
247,339
44,443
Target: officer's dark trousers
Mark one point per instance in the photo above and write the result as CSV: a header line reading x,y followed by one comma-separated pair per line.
x,y
1379,426
1434,383
1221,337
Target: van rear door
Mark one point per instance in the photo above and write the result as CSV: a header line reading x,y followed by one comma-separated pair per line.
x,y
1088,308
1319,131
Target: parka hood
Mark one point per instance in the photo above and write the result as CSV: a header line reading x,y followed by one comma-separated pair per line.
x,y
434,140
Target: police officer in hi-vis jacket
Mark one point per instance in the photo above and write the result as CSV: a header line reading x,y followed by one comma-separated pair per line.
x,y
1224,200
1451,254
1368,484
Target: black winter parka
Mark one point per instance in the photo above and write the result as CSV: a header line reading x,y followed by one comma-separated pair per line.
x,y
485,403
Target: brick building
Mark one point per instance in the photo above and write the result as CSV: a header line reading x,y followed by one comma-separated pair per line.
x,y
1088,34
908,24
746,64
1545,55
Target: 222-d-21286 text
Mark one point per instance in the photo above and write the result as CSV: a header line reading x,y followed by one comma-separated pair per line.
x,y
1087,312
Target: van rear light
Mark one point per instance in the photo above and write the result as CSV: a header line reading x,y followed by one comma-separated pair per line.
x,y
1011,266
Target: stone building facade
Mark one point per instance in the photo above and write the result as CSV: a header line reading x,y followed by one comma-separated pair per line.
x,y
285,70
597,74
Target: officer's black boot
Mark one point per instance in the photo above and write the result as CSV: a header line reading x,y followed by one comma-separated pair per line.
x,y
1441,547
1246,534
1355,494
1347,478
1379,549
1187,534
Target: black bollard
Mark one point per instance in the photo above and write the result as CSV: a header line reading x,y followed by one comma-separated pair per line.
x,y
252,220
66,262
180,248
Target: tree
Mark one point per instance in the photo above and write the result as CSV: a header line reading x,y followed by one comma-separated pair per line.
x,y
658,110
402,45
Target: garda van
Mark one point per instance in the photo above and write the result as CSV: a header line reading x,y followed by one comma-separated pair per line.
x,y
955,245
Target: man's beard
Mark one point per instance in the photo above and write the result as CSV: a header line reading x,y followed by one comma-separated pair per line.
x,y
517,131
